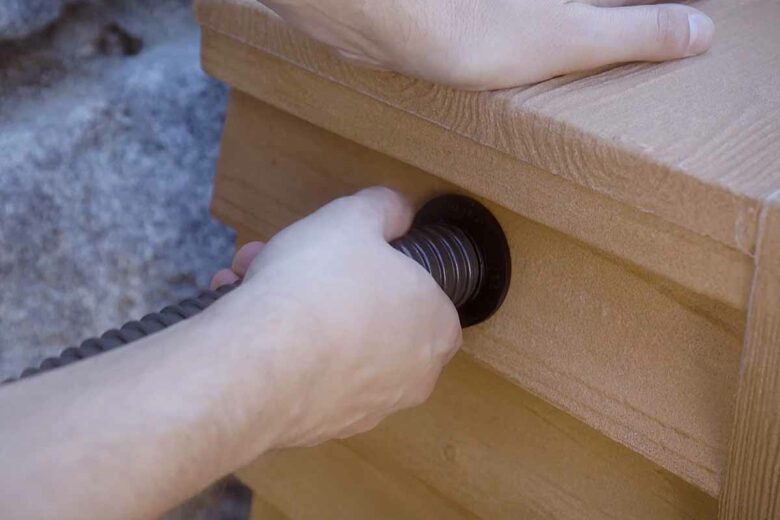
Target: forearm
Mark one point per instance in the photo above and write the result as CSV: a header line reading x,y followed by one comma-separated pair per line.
x,y
135,431
331,330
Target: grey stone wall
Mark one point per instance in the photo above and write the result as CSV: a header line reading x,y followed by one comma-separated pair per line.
x,y
19,18
106,160
108,140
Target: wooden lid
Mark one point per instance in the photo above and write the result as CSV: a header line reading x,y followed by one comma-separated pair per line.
x,y
693,144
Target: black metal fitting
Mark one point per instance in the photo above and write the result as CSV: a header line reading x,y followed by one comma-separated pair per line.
x,y
462,245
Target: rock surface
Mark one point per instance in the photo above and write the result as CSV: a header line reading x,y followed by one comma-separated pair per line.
x,y
108,138
105,177
19,18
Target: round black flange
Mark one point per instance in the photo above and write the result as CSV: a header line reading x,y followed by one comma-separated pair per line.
x,y
485,232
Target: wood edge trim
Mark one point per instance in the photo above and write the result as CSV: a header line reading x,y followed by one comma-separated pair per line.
x,y
751,480
743,241
701,247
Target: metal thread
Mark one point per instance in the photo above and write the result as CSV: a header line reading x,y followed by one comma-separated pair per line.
x,y
449,255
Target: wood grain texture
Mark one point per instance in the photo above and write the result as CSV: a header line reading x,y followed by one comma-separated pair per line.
x,y
691,141
652,244
263,510
636,357
332,481
752,490
480,447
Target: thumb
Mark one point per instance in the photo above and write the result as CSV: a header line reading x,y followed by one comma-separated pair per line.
x,y
605,35
382,210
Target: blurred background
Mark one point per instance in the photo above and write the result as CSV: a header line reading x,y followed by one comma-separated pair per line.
x,y
108,140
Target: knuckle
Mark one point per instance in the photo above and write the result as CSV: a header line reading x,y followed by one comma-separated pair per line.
x,y
455,344
427,389
362,206
355,208
453,323
381,192
376,200
341,205
452,339
414,396
424,388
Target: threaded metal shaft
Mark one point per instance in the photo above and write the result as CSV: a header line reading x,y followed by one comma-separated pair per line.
x,y
449,255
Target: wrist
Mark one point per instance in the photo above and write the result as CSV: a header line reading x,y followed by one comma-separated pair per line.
x,y
238,342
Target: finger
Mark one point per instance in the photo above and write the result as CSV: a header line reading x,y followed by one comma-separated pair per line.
x,y
617,3
246,256
454,345
384,210
602,36
361,60
366,424
223,277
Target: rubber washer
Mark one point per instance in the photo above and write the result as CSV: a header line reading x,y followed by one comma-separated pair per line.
x,y
484,230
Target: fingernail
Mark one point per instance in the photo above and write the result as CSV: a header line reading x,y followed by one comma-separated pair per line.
x,y
700,33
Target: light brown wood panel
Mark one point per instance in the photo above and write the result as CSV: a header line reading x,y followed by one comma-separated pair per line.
x,y
752,489
332,481
692,141
667,250
263,510
479,447
637,358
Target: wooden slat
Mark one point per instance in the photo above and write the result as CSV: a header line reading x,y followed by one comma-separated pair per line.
x,y
480,447
634,356
263,510
664,249
691,141
332,481
752,490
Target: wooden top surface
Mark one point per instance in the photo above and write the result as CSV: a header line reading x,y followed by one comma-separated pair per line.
x,y
695,142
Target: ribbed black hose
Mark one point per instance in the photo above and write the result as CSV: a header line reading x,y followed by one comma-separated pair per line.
x,y
443,250
129,332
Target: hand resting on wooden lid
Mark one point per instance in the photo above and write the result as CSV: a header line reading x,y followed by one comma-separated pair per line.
x,y
493,44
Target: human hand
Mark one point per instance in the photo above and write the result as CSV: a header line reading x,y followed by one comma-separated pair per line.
x,y
330,331
492,44
358,330
241,262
